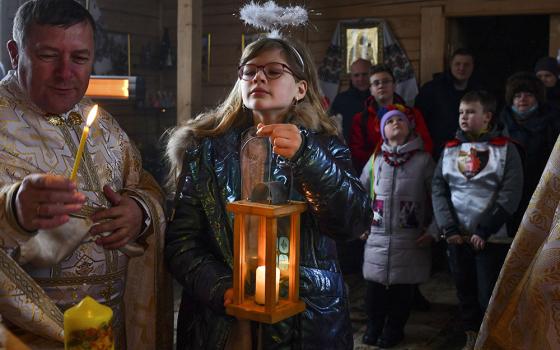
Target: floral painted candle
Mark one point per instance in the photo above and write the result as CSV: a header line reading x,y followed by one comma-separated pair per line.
x,y
87,325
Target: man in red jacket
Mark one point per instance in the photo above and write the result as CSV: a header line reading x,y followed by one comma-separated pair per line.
x,y
365,134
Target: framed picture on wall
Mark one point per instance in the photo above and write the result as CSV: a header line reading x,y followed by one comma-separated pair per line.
x,y
362,41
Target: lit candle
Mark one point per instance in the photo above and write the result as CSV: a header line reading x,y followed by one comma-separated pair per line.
x,y
260,282
91,117
88,326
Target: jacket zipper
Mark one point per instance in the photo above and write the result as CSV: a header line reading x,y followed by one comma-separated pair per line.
x,y
390,221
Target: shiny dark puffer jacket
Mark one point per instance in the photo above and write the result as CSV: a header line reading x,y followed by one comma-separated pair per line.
x,y
200,238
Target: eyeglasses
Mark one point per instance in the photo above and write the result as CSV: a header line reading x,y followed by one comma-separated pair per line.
x,y
272,70
381,82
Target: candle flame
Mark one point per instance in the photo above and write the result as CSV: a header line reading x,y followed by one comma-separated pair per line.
x,y
91,115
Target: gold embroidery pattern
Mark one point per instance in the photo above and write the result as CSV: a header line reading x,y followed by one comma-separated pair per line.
x,y
86,211
78,280
526,295
31,289
4,103
74,118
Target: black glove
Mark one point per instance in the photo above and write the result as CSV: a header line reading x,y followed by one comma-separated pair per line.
x,y
491,222
451,231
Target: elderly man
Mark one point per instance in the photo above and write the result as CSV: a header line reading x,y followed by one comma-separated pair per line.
x,y
352,101
72,238
438,100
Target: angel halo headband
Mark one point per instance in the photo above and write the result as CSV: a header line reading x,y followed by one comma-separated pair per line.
x,y
272,18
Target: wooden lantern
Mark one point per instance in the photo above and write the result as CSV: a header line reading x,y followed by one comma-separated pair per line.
x,y
245,305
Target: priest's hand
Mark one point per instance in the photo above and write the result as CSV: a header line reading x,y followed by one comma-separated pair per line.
x,y
123,220
44,201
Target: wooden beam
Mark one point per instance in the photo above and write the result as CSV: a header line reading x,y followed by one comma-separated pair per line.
x,y
462,8
189,65
432,42
554,41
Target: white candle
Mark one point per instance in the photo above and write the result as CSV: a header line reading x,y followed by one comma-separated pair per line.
x,y
259,286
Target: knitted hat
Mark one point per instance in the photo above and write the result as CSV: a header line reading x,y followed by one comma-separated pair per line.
x,y
392,113
548,64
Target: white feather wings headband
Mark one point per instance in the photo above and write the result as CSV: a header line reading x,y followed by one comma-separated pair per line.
x,y
272,17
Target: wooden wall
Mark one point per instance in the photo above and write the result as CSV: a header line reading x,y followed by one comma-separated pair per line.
x,y
403,16
420,27
144,20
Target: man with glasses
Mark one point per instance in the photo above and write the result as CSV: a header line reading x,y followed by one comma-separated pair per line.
x,y
439,98
365,134
352,101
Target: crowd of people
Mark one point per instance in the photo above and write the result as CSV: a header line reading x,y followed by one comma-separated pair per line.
x,y
450,168
489,163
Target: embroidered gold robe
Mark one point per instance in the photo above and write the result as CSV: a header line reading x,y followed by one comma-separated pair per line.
x,y
32,142
524,311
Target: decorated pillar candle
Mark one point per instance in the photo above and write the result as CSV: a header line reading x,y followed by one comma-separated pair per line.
x,y
87,325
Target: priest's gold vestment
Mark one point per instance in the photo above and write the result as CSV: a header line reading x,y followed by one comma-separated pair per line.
x,y
524,311
34,298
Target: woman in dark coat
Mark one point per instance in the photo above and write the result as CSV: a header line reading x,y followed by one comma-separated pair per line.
x,y
277,92
533,125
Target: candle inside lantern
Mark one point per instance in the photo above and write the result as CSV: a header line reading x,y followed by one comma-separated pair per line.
x,y
88,326
91,117
260,283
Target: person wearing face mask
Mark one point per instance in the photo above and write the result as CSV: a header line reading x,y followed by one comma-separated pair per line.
x,y
534,125
546,69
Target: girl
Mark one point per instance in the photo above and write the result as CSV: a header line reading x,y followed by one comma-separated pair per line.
x,y
277,92
397,251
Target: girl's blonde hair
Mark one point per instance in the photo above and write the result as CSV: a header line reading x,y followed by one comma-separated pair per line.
x,y
309,112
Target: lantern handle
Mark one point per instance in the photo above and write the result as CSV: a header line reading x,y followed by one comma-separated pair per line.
x,y
271,159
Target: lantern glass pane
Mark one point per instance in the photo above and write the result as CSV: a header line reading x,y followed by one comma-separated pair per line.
x,y
255,255
255,161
